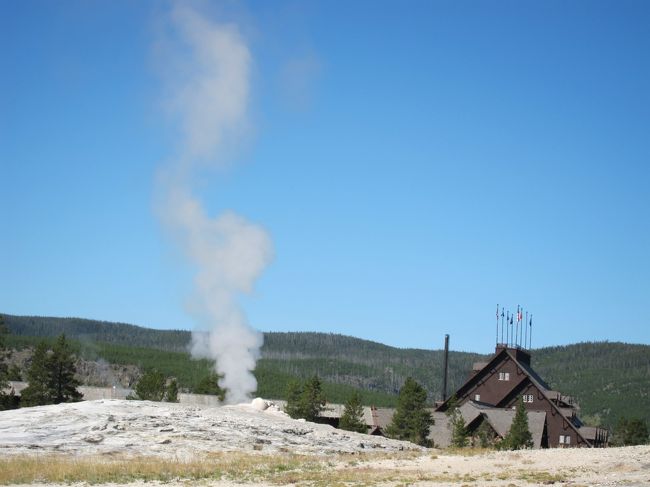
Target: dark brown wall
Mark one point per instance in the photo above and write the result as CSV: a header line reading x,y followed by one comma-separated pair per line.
x,y
556,423
490,388
505,394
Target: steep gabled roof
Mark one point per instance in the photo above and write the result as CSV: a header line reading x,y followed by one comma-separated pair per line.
x,y
499,419
528,371
534,376
475,378
547,393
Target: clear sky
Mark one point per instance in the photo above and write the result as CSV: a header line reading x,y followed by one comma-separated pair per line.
x,y
415,163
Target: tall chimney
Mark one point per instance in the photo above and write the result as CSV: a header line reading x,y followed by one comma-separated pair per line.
x,y
444,377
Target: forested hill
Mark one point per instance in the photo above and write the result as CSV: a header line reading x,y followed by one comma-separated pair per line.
x,y
98,331
609,380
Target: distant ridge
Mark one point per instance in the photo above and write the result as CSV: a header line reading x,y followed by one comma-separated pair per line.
x,y
100,331
609,379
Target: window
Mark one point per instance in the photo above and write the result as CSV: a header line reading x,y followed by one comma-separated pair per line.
x,y
528,398
565,440
477,397
504,375
562,439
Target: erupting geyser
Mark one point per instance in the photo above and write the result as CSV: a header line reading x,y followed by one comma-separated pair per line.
x,y
209,96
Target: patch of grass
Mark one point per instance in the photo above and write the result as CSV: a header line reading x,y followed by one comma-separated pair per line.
x,y
99,470
245,467
468,452
541,477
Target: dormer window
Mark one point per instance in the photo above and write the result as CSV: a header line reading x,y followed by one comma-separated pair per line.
x,y
504,375
528,398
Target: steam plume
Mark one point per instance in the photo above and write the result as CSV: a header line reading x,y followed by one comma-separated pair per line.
x,y
210,98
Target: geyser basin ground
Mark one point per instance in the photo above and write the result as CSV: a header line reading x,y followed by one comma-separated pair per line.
x,y
165,429
116,442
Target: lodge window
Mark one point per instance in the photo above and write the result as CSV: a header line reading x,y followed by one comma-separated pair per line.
x,y
477,397
504,375
528,398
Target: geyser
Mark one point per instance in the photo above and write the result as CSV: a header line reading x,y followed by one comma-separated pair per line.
x,y
209,97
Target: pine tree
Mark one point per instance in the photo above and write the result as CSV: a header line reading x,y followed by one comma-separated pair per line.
x,y
312,399
63,384
210,385
150,387
305,401
630,432
411,420
459,431
38,392
518,436
172,391
352,418
293,406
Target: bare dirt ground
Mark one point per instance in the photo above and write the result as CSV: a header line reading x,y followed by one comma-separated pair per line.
x,y
116,442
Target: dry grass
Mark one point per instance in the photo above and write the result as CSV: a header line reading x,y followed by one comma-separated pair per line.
x,y
98,470
277,469
468,451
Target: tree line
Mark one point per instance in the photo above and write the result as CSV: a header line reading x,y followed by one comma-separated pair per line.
x,y
609,380
51,380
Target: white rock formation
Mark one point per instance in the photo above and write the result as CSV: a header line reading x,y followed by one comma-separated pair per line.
x,y
153,428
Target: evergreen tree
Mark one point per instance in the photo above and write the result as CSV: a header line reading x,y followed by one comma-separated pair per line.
x,y
459,433
305,401
63,385
518,436
172,391
293,406
14,373
210,385
630,432
312,399
352,419
38,392
411,420
150,387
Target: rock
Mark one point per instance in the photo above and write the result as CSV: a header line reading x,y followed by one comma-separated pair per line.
x,y
259,404
94,439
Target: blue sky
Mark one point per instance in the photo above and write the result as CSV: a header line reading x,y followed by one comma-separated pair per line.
x,y
415,163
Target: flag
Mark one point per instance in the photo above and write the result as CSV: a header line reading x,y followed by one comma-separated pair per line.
x,y
511,319
497,312
520,316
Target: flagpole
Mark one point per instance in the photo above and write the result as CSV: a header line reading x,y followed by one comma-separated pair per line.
x,y
525,323
531,332
497,323
507,328
517,329
502,314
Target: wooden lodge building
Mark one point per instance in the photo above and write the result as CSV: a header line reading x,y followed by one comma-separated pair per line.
x,y
491,393
487,401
